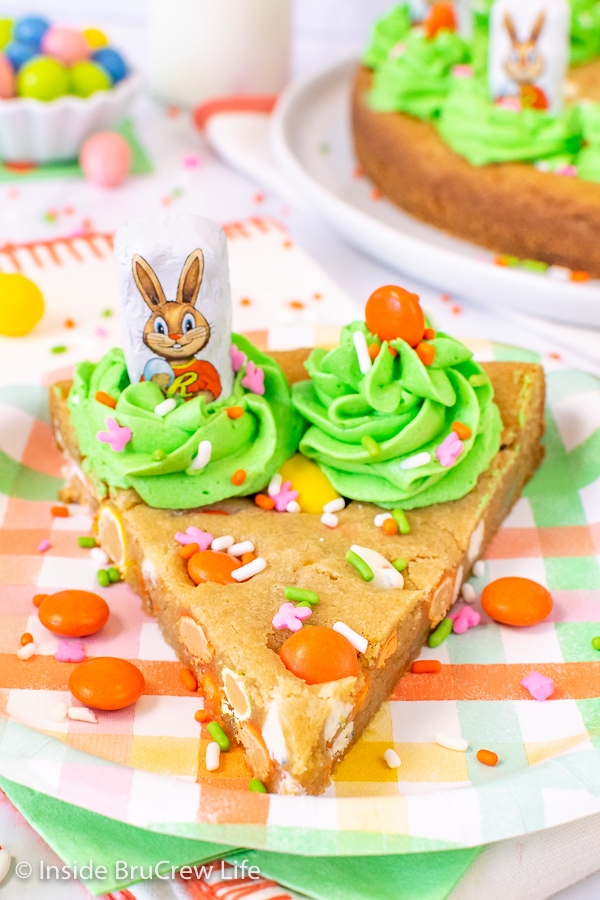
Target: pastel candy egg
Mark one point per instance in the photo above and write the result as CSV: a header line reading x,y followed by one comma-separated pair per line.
x,y
95,37
212,565
19,53
106,683
6,31
7,79
43,78
313,486
516,601
106,159
31,29
319,654
65,44
73,613
21,304
87,77
112,61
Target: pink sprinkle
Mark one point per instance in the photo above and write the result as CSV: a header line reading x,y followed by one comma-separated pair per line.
x,y
290,616
464,619
238,358
191,161
539,686
462,71
195,535
116,435
254,379
100,332
568,170
512,103
44,545
70,651
285,496
449,450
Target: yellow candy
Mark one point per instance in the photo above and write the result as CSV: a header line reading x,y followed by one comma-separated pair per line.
x,y
315,489
95,37
21,305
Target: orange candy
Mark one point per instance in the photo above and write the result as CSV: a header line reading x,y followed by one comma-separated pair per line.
x,y
105,399
212,565
188,550
238,477
487,757
374,350
106,683
235,412
440,16
188,680
390,526
391,312
39,599
26,638
60,512
426,353
264,501
461,430
73,613
426,666
318,654
516,601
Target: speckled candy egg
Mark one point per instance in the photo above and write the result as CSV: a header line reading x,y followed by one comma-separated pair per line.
x,y
7,79
73,613
106,159
65,44
106,683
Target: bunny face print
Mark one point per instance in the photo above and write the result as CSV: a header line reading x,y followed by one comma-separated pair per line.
x,y
528,53
176,305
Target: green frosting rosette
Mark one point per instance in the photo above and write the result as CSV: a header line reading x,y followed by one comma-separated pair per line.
x,y
386,436
158,460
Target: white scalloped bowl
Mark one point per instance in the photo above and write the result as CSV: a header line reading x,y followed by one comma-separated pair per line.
x,y
32,131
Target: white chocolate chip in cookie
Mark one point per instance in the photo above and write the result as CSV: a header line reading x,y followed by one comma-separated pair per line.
x,y
194,640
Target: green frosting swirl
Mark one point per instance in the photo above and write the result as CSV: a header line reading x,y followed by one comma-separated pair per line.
x,y
406,408
258,442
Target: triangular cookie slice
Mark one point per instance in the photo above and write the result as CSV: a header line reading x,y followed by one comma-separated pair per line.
x,y
294,732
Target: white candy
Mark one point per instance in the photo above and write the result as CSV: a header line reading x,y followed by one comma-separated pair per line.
x,y
27,651
385,576
223,543
241,548
202,458
99,556
60,712
82,714
468,593
362,352
329,519
250,569
213,756
293,507
167,406
5,861
479,569
334,506
391,758
380,518
275,485
559,273
416,461
451,743
359,642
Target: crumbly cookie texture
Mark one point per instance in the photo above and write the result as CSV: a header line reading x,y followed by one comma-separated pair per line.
x,y
294,733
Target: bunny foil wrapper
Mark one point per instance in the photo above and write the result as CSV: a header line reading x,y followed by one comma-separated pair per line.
x,y
176,305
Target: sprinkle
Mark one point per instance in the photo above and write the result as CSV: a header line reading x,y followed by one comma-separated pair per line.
x,y
380,518
188,680
248,571
429,334
461,430
38,599
440,634
362,352
451,743
464,619
365,572
391,758
235,412
114,575
201,715
426,667
116,436
223,543
60,712
238,477
579,276
400,564
487,757
202,458
86,542
359,642
334,506
293,507
416,461
165,407
254,379
256,785
370,445
290,616
213,756
26,638
219,736
301,595
539,686
241,548
60,512
479,569
275,485
400,517
99,556
188,550
44,545
264,502
596,643
330,520
468,593
247,557
59,348
390,526
158,455
193,535
478,380
82,714
426,353
449,450
26,651
237,358
559,273
69,651
103,579
105,399
284,496
374,350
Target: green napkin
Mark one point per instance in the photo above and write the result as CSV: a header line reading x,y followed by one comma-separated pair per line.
x,y
78,835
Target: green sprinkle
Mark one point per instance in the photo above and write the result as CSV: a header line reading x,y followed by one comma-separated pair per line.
x,y
86,541
107,313
256,785
60,348
400,518
365,572
370,445
301,596
478,380
304,603
400,564
218,735
103,579
177,192
113,574
596,643
157,455
440,634
324,147
534,265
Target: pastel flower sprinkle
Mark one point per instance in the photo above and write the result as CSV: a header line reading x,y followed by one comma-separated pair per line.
x,y
286,495
539,686
254,379
117,436
70,651
238,358
193,535
290,616
449,450
464,619
462,71
44,545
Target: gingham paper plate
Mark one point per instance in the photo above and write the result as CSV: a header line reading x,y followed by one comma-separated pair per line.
x,y
140,765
